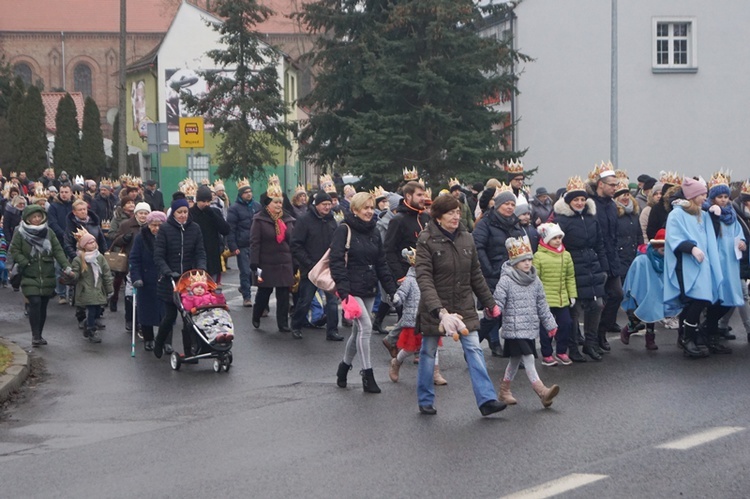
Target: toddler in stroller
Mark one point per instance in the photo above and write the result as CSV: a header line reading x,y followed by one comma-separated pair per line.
x,y
206,307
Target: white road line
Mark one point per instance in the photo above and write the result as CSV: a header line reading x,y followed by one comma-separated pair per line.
x,y
700,438
555,487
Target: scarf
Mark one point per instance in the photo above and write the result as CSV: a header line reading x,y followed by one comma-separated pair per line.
x,y
36,236
82,221
419,212
628,208
522,278
561,249
92,258
657,260
278,224
728,215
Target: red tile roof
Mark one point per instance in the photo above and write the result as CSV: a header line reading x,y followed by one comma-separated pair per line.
x,y
144,16
51,101
280,23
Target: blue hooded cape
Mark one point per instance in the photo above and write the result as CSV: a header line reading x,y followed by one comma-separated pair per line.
x,y
730,289
643,292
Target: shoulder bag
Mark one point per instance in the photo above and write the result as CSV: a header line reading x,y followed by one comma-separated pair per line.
x,y
320,274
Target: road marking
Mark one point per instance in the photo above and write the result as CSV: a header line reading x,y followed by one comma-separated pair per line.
x,y
556,487
700,438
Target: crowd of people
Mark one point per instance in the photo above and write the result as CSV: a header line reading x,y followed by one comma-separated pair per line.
x,y
487,262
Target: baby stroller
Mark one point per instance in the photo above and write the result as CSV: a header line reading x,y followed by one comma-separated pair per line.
x,y
211,324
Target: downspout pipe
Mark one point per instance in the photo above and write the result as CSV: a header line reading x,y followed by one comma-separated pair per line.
x,y
62,47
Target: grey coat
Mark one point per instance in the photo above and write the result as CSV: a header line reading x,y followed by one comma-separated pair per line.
x,y
523,305
408,295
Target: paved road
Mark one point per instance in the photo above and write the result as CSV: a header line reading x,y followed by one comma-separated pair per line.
x,y
102,424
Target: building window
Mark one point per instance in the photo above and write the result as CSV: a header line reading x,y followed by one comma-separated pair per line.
x,y
199,167
674,45
82,79
23,71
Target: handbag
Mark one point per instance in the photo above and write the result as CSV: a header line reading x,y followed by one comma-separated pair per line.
x,y
118,262
320,274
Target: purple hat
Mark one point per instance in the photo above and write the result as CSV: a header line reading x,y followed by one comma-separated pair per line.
x,y
692,188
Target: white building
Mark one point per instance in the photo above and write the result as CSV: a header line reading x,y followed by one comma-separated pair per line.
x,y
681,86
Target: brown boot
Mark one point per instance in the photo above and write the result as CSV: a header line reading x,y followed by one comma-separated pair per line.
x,y
505,395
545,394
394,369
651,341
437,378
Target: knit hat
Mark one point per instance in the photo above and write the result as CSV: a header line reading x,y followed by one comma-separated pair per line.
x,y
542,191
692,188
456,187
393,200
478,187
179,203
718,190
204,194
156,216
242,190
649,184
718,184
574,188
321,197
142,207
84,240
504,195
519,249
522,209
52,188
548,231
485,197
659,239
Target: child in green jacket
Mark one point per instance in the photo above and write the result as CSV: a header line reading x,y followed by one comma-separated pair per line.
x,y
94,282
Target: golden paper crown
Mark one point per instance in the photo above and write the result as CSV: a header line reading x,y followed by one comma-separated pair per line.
x,y
243,182
410,255
274,187
197,277
421,182
124,177
78,180
575,184
378,192
204,181
78,195
503,188
133,181
745,189
106,224
80,233
326,183
412,174
13,175
601,170
452,182
621,174
105,182
518,247
672,178
300,189
188,187
513,167
622,185
719,178
428,194
219,185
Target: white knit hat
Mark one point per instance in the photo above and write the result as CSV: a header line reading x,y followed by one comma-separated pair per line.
x,y
142,206
547,231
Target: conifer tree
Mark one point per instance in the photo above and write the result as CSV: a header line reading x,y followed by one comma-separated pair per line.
x,y
67,142
93,160
32,134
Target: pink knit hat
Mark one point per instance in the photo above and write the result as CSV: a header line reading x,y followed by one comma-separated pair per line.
x,y
85,240
693,188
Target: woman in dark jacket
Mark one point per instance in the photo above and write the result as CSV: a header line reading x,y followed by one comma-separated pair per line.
x,y
12,215
35,249
145,276
629,234
357,272
449,275
271,257
178,248
576,216
123,242
489,235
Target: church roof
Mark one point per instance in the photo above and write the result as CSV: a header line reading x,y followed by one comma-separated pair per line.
x,y
51,100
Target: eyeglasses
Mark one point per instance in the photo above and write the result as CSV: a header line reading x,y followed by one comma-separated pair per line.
x,y
611,184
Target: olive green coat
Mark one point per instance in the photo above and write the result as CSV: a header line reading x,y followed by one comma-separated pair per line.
x,y
38,271
86,292
449,275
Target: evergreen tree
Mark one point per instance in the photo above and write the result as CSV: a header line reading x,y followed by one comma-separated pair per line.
x,y
14,120
32,134
93,159
403,83
247,108
67,141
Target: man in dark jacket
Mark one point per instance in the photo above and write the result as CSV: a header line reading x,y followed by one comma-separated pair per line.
x,y
57,214
213,226
153,196
606,215
104,203
541,207
310,240
240,219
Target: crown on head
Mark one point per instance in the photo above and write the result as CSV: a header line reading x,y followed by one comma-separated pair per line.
x,y
243,182
575,183
78,195
622,185
326,183
745,188
205,181
513,167
428,194
378,192
601,171
621,174
412,174
106,224
133,181
422,183
410,255
105,182
518,247
274,187
197,277
719,178
453,181
671,178
503,188
80,233
300,189
219,185
188,187
13,175
78,180
124,177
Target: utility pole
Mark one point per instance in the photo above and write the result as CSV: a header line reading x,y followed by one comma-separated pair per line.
x,y
613,132
122,137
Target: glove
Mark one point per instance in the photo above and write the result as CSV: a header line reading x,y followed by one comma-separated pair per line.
x,y
552,333
452,325
352,310
698,254
254,268
715,209
493,312
127,238
138,284
572,302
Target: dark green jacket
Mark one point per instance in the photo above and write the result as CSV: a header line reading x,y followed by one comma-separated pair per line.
x,y
86,292
38,271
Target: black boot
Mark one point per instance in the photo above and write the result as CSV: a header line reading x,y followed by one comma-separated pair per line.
x,y
603,343
368,381
112,305
128,313
575,355
716,346
690,332
590,349
377,325
496,349
343,370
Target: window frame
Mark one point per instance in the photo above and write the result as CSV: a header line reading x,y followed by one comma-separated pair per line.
x,y
692,45
17,73
91,79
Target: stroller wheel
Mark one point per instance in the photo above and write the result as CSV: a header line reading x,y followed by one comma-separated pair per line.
x,y
229,358
227,363
175,361
217,366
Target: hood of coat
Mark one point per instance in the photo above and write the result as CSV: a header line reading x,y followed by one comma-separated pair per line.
x,y
563,208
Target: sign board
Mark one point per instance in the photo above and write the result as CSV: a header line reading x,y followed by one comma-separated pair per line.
x,y
191,133
157,137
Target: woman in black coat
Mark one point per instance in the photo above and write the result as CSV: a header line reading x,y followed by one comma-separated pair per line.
x,y
145,276
179,248
576,216
357,272
271,257
629,234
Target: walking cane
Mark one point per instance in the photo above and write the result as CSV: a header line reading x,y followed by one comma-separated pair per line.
x,y
132,332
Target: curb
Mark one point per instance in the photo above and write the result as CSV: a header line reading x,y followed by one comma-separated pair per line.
x,y
16,373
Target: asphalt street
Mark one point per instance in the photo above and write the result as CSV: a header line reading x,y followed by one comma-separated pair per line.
x,y
97,423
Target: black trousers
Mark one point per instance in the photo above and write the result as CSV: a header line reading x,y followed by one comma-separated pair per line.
x,y
37,314
165,329
282,305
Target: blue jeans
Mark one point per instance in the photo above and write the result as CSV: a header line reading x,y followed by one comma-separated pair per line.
x,y
484,391
304,299
243,263
92,313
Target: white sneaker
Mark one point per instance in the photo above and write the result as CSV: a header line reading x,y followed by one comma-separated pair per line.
x,y
671,323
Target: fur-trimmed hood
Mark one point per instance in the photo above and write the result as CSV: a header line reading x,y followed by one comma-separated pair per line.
x,y
636,208
564,209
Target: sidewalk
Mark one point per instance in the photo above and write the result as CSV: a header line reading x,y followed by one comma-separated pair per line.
x,y
16,373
